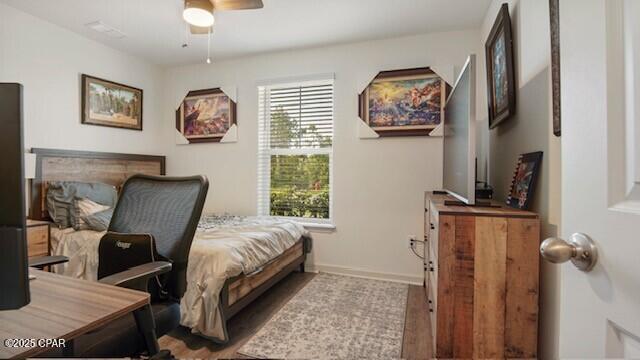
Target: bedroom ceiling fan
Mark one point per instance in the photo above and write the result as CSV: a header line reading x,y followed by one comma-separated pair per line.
x,y
199,13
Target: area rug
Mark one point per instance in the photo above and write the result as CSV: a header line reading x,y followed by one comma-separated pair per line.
x,y
335,317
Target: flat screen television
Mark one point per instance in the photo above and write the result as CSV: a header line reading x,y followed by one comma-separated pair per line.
x,y
14,276
459,178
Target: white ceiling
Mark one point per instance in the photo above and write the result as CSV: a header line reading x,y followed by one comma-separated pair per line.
x,y
155,29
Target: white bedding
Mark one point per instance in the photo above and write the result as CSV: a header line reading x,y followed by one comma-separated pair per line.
x,y
81,247
223,247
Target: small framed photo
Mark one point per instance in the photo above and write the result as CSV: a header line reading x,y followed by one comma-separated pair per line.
x,y
205,115
524,180
501,88
407,102
108,103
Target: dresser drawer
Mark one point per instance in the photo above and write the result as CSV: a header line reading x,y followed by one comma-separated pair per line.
x,y
433,242
431,273
426,224
434,291
427,253
38,240
433,312
433,216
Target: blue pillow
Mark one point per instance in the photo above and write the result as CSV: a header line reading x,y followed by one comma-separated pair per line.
x,y
60,195
99,221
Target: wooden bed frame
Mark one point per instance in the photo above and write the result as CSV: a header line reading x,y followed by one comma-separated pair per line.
x,y
241,290
114,169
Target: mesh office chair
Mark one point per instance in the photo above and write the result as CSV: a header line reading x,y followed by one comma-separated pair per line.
x,y
168,209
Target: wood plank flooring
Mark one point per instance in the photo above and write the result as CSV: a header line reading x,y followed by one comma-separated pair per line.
x,y
417,342
183,344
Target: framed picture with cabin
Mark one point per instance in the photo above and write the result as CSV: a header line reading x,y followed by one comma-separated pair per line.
x,y
107,103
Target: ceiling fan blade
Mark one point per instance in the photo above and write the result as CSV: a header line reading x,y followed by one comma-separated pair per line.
x,y
220,5
197,30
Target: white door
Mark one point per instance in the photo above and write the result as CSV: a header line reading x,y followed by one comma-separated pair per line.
x,y
600,51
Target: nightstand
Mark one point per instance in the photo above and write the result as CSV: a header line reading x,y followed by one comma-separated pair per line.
x,y
37,238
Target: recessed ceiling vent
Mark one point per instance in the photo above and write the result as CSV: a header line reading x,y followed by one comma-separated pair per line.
x,y
103,28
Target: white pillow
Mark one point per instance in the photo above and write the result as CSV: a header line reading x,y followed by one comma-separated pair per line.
x,y
84,207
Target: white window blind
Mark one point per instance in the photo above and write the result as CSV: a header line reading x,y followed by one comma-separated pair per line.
x,y
296,150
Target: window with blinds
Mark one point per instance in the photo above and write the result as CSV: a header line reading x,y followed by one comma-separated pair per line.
x,y
295,150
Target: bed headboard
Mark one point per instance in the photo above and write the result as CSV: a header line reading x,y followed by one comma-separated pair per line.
x,y
85,166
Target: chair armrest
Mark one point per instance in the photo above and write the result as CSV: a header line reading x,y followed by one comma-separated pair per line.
x,y
137,276
43,261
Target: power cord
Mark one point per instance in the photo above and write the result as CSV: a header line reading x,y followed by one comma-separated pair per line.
x,y
413,248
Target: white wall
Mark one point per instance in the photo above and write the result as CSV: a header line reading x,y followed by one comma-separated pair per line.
x,y
529,130
48,60
378,184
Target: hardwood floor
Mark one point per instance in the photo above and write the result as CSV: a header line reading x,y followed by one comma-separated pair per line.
x,y
183,344
417,342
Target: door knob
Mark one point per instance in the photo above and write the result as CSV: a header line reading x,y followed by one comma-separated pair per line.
x,y
580,249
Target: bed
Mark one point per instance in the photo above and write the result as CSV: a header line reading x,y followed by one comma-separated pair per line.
x,y
232,259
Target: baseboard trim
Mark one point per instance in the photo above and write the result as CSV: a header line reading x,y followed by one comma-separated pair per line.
x,y
341,270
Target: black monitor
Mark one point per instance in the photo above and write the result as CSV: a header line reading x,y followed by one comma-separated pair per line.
x,y
14,276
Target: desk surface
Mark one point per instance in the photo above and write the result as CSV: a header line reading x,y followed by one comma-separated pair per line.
x,y
63,308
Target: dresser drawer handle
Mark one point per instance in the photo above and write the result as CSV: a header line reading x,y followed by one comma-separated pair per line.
x,y
431,266
433,227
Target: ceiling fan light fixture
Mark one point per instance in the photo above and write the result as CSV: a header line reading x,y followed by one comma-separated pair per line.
x,y
198,13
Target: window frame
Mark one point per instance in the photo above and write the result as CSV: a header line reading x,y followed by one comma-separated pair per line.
x,y
265,151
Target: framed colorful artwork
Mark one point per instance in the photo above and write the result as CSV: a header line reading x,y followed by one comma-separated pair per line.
x,y
107,103
205,115
404,102
524,180
501,88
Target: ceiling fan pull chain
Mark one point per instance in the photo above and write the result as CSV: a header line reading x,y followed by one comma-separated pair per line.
x,y
209,46
186,36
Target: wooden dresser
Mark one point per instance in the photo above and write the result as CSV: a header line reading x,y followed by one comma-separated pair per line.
x,y
481,278
37,238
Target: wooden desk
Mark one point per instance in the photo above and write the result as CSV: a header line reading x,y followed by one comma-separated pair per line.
x,y
64,308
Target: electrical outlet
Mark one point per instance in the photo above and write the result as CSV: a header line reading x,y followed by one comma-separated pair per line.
x,y
412,241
